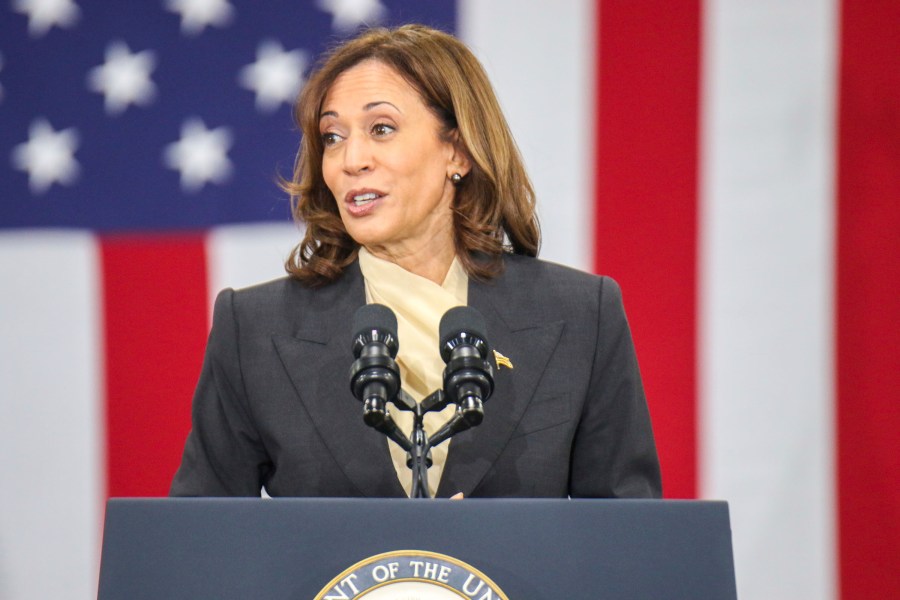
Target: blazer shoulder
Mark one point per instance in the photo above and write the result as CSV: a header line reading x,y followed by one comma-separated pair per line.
x,y
277,292
286,301
527,273
260,299
270,291
530,290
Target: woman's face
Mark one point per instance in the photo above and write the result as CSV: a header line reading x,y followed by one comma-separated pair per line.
x,y
386,164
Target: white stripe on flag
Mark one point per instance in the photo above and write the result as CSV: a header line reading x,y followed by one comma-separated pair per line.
x,y
766,290
241,255
539,57
51,436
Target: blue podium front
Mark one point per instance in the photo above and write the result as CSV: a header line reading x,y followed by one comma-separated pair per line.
x,y
483,549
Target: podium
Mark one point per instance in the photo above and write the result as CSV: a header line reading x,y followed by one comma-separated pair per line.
x,y
531,549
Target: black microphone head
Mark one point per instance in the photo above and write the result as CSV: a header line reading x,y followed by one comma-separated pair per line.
x,y
374,323
462,325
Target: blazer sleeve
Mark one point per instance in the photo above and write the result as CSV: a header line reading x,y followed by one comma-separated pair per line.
x,y
614,454
223,455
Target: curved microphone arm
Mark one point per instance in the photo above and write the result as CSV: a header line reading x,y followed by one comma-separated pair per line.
x,y
377,417
466,417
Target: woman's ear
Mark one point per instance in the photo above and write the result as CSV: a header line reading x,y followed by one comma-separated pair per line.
x,y
459,159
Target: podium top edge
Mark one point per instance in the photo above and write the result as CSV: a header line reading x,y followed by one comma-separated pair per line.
x,y
344,500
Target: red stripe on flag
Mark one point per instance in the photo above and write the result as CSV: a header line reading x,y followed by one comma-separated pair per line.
x,y
155,310
646,193
868,301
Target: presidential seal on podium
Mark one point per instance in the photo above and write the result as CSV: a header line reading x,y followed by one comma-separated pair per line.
x,y
411,575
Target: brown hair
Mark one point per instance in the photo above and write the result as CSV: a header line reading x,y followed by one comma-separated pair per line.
x,y
494,204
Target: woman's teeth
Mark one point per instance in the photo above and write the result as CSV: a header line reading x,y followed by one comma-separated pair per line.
x,y
364,198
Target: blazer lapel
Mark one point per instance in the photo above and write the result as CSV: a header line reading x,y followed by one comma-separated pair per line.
x,y
317,358
528,343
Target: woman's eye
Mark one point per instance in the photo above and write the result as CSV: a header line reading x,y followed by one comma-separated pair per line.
x,y
330,139
381,129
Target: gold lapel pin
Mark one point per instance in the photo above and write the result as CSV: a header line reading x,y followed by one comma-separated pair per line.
x,y
502,361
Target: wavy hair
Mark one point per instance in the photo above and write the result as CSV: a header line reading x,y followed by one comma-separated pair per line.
x,y
494,204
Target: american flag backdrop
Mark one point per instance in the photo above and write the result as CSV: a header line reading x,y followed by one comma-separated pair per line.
x,y
734,165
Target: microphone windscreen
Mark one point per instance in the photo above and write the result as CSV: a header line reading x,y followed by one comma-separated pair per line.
x,y
458,320
374,316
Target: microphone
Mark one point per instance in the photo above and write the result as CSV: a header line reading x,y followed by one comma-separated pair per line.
x,y
374,375
468,376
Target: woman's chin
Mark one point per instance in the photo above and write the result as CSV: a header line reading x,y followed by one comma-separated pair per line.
x,y
369,239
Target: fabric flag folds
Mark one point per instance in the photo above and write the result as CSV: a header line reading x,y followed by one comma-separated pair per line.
x,y
733,165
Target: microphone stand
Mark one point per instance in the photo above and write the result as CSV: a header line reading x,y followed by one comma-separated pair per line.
x,y
418,458
469,413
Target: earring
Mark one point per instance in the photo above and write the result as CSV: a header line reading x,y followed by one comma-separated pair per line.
x,y
456,178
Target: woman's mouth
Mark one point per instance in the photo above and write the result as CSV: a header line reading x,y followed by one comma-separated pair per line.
x,y
362,202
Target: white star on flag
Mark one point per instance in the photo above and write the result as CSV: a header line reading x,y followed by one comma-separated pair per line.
x,y
276,76
350,14
48,156
124,78
200,155
199,14
44,14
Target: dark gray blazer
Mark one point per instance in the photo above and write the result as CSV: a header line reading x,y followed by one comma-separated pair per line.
x,y
273,406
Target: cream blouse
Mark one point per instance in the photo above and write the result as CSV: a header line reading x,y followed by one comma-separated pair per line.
x,y
419,305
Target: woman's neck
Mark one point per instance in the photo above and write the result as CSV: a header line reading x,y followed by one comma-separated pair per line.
x,y
428,263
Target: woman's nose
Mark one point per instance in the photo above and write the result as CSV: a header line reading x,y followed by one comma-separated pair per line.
x,y
357,155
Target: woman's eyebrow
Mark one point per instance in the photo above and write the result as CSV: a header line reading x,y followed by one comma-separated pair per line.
x,y
367,107
372,105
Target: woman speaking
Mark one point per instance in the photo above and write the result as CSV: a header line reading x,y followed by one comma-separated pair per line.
x,y
414,196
